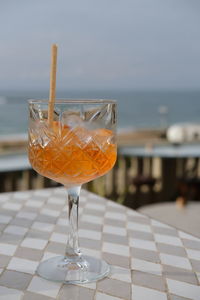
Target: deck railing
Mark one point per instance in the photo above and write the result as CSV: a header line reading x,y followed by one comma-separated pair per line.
x,y
134,181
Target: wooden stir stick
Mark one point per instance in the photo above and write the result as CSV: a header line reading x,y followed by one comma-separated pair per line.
x,y
52,91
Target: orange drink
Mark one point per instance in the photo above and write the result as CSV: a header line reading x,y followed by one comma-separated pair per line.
x,y
72,143
72,156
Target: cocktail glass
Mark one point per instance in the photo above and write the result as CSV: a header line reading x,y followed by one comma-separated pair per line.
x,y
77,147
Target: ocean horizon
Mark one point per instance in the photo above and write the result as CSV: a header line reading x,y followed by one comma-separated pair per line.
x,y
136,109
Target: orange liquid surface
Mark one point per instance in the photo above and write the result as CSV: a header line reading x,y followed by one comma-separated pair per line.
x,y
72,156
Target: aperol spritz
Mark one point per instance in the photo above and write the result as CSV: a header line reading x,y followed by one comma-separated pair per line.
x,y
76,148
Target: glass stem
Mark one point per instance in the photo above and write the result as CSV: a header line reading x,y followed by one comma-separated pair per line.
x,y
72,249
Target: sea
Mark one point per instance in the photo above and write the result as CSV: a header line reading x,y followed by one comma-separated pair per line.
x,y
136,109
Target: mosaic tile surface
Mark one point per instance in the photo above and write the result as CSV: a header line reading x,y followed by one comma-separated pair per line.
x,y
149,259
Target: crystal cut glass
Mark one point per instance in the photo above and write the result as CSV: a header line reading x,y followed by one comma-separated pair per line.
x,y
77,147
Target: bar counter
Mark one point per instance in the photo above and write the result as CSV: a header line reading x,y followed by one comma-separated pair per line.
x,y
149,259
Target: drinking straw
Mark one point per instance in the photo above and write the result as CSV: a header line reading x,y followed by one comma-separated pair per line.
x,y
52,91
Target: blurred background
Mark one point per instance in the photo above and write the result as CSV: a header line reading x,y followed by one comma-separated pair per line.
x,y
145,54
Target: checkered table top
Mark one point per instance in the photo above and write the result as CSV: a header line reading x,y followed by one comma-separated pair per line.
x,y
149,259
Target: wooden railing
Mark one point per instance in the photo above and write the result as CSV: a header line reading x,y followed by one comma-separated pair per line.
x,y
134,181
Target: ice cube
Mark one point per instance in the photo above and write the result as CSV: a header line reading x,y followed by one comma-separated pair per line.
x,y
103,137
72,119
83,136
40,133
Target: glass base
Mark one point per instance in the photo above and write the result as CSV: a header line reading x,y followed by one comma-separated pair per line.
x,y
81,269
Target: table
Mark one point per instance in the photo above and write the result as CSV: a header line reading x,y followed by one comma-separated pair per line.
x,y
150,260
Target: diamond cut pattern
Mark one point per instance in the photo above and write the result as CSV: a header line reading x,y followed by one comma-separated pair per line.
x,y
70,155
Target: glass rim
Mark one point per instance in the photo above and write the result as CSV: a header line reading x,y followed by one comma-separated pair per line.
x,y
72,101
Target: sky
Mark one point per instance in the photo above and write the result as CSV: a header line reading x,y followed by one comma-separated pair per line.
x,y
107,44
